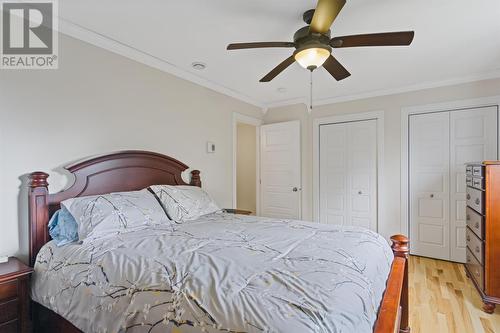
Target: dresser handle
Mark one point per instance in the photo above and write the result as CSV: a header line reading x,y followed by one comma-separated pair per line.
x,y
468,238
468,217
468,196
477,249
477,225
478,201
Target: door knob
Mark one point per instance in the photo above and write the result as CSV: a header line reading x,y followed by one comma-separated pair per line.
x,y
360,192
295,189
432,195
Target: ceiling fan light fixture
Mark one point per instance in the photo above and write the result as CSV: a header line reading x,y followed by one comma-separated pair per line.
x,y
312,58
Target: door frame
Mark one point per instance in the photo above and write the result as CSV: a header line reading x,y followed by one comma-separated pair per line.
x,y
406,112
241,118
349,118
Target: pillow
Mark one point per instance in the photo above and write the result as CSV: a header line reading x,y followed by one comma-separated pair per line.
x,y
184,203
113,213
63,228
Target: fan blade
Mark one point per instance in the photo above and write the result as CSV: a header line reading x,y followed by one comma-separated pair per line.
x,y
278,69
382,39
240,46
336,69
324,15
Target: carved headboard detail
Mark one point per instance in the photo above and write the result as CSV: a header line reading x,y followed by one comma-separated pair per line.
x,y
116,172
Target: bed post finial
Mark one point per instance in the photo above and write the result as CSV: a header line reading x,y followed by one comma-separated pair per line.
x,y
38,179
195,178
38,200
401,248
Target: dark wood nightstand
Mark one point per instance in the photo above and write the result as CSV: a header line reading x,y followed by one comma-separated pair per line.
x,y
237,211
14,296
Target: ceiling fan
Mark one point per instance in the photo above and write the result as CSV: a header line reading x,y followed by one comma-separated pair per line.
x,y
313,43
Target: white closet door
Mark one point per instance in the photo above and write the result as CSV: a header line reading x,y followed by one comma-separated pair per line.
x,y
429,185
348,173
473,135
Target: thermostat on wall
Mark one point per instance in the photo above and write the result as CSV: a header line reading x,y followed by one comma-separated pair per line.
x,y
210,147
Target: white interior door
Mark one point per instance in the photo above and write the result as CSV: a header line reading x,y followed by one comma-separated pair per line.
x,y
348,174
473,138
281,170
429,185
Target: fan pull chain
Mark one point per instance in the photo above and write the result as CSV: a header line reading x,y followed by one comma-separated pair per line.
x,y
311,93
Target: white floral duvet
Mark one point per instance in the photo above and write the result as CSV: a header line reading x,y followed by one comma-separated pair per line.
x,y
221,273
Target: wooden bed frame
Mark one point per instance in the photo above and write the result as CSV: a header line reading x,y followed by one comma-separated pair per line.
x,y
135,170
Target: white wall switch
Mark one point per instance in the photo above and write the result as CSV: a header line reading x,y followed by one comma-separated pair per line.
x,y
210,147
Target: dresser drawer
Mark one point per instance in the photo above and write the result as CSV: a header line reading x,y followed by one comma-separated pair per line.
x,y
478,183
474,244
478,171
468,181
9,311
475,199
10,327
475,269
8,290
468,170
475,222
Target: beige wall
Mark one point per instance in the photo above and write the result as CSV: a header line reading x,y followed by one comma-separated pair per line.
x,y
98,102
391,105
246,173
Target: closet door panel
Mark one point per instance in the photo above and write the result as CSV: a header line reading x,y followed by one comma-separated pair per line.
x,y
473,138
429,185
362,164
333,173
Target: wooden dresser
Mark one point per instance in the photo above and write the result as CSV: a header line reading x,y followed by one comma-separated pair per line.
x,y
483,230
14,297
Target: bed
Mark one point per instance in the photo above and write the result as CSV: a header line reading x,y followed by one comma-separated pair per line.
x,y
224,272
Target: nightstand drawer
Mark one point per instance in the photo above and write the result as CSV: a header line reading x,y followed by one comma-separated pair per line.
x,y
8,290
9,311
10,327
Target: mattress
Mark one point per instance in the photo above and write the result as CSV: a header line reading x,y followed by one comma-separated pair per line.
x,y
220,273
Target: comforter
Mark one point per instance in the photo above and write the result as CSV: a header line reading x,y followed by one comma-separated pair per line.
x,y
220,273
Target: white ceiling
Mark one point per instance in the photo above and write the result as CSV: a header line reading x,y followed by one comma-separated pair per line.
x,y
455,41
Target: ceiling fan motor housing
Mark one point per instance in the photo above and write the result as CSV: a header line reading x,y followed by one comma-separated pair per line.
x,y
304,39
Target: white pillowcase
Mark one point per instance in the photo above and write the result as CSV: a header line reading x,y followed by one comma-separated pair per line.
x,y
114,213
184,203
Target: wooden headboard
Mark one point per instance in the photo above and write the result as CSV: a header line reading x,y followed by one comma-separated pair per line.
x,y
116,172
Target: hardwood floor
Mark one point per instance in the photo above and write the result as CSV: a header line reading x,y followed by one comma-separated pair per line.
x,y
442,300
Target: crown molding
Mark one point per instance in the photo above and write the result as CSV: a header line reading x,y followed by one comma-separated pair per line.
x,y
495,74
97,39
